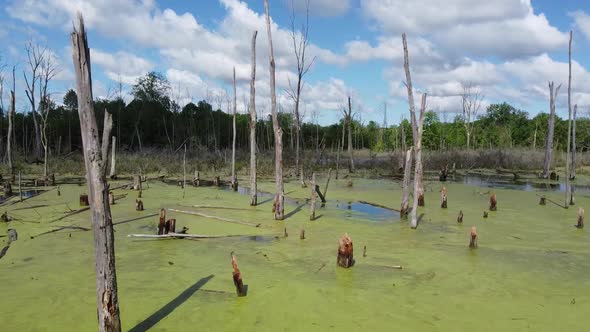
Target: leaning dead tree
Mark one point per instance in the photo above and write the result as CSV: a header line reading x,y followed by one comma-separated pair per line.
x,y
551,127
471,100
35,58
234,180
279,200
419,187
102,223
300,41
253,188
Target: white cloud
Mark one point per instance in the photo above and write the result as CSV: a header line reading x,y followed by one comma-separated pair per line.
x,y
121,65
582,22
321,7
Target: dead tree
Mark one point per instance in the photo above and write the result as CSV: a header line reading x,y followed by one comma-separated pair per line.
x,y
35,58
113,172
313,198
569,125
300,41
460,216
279,200
551,127
253,188
234,180
418,185
406,185
348,117
48,71
102,223
11,112
471,100
573,167
419,194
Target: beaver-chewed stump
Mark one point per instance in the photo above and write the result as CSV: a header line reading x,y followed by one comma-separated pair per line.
x,y
162,222
443,198
84,200
542,200
138,205
460,216
493,202
345,251
473,238
241,290
580,223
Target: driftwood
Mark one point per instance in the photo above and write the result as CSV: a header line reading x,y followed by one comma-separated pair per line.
x,y
473,238
195,213
345,252
134,219
379,206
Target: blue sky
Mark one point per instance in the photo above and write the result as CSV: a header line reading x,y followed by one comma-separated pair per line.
x,y
508,49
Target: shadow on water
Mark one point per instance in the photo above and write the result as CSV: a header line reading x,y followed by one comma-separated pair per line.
x,y
167,309
269,196
368,211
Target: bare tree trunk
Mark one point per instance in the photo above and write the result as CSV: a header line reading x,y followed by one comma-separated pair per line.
x,y
9,138
279,196
234,181
106,131
113,173
313,198
102,223
573,168
418,194
183,172
253,186
351,164
418,190
406,185
569,124
550,130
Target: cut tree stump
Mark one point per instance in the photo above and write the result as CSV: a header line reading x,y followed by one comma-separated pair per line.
x,y
170,226
237,276
302,234
493,202
485,214
345,251
473,239
84,200
542,200
162,222
460,216
138,205
580,223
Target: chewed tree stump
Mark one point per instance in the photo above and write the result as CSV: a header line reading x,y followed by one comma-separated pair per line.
x,y
345,251
493,202
237,276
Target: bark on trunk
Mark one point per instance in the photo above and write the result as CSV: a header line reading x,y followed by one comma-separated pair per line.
x,y
253,186
406,185
573,168
113,172
418,187
313,198
9,140
351,163
551,124
278,132
104,244
234,180
569,125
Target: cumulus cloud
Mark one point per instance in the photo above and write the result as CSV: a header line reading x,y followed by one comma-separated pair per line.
x,y
121,65
582,22
321,7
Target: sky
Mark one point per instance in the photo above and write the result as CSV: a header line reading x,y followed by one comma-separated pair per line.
x,y
507,49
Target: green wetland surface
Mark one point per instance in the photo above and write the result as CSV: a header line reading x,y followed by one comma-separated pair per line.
x,y
530,272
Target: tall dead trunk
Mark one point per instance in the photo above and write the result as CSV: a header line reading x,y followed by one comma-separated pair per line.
x,y
234,180
10,119
569,124
351,162
113,172
573,168
279,195
551,127
418,194
418,190
102,223
106,132
406,185
253,188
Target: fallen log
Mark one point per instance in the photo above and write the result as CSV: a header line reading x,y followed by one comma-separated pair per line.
x,y
195,213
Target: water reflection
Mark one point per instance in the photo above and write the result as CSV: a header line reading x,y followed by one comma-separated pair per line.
x,y
493,181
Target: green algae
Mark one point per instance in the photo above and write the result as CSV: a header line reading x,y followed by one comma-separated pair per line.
x,y
529,273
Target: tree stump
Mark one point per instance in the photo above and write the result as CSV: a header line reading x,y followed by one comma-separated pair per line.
x,y
84,200
313,198
444,172
136,182
7,188
421,199
485,214
460,216
365,251
345,251
542,200
139,193
58,191
285,233
162,222
553,176
197,179
302,234
234,183
493,202
216,181
349,183
473,239
111,198
12,235
138,205
52,180
170,226
443,198
580,223
237,276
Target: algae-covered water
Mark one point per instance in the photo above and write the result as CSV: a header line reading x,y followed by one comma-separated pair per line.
x,y
530,272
